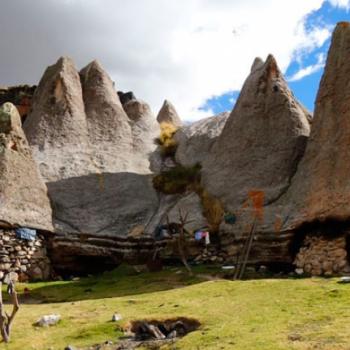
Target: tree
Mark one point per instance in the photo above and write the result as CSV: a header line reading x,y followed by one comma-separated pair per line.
x,y
181,239
6,320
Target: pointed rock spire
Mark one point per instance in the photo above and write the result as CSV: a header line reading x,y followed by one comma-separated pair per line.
x,y
168,114
23,195
261,143
56,128
321,187
108,124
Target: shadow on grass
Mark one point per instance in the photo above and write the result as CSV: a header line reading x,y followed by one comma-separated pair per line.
x,y
121,282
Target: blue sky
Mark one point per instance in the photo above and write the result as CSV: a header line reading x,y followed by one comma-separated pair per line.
x,y
305,88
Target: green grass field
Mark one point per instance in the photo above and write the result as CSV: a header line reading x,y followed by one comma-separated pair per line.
x,y
269,314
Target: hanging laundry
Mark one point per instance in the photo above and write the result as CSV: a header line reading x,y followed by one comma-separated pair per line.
x,y
207,238
25,234
198,235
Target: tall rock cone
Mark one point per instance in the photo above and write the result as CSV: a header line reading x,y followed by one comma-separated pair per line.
x,y
321,187
23,195
145,129
56,128
108,125
168,114
261,143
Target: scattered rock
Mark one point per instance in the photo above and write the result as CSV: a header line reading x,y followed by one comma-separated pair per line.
x,y
48,320
116,317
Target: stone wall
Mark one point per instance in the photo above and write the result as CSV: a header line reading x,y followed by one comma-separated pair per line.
x,y
27,258
320,255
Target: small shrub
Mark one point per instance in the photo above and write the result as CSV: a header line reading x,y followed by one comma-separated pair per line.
x,y
212,210
177,180
166,139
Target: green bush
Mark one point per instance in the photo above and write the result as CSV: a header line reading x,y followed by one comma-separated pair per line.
x,y
177,180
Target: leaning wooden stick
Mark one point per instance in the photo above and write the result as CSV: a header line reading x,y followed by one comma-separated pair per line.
x,y
6,319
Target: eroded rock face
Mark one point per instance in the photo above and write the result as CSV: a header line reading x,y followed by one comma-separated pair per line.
x,y
261,143
321,187
145,129
109,131
23,195
196,140
92,154
168,114
56,128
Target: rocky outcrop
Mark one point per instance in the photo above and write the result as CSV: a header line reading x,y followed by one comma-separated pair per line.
x,y
92,151
85,253
56,128
321,187
144,130
261,143
168,114
23,195
196,140
109,131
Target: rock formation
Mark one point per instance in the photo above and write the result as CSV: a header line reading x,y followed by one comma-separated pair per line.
x,y
196,140
261,143
109,131
92,154
321,187
23,195
56,128
168,114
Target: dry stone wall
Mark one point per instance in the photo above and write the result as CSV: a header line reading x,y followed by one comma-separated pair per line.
x,y
320,255
27,258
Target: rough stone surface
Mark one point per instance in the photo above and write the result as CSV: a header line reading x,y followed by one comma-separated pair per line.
x,y
26,258
144,130
56,128
196,140
23,195
92,151
109,131
261,143
168,114
321,187
320,255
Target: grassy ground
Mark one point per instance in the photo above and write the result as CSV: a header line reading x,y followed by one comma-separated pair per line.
x,y
257,314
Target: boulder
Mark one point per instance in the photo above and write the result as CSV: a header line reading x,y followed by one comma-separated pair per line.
x,y
321,188
168,114
261,144
23,194
196,140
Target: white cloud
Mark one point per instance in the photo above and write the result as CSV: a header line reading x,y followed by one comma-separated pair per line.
x,y
341,3
311,69
183,50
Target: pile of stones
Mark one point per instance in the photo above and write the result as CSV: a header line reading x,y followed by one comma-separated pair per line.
x,y
322,256
27,258
212,255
